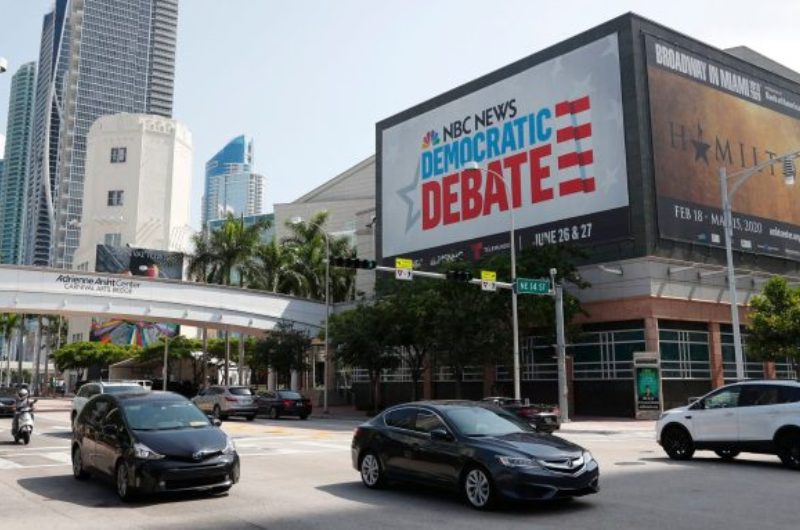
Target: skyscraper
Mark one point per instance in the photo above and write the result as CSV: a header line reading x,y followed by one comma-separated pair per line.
x,y
103,57
231,185
12,179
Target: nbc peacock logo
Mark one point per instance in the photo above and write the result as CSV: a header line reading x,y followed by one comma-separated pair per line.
x,y
430,138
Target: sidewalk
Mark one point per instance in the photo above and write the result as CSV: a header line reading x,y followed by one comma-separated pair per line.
x,y
580,424
53,404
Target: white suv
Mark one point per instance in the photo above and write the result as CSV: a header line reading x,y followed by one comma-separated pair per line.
x,y
88,390
752,416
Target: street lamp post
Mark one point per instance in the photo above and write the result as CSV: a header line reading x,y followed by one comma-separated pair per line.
x,y
739,178
322,231
514,317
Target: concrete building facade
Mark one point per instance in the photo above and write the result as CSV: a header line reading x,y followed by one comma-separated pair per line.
x,y
138,178
677,110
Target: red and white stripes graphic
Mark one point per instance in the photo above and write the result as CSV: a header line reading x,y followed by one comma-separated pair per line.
x,y
574,144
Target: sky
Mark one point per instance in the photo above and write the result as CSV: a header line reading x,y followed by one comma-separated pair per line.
x,y
308,80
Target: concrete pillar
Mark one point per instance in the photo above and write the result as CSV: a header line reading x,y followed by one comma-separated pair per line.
x,y
427,381
571,385
37,353
715,355
271,379
769,370
651,334
242,371
295,381
489,380
205,358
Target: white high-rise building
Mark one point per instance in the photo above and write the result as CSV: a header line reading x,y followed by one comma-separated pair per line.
x,y
136,193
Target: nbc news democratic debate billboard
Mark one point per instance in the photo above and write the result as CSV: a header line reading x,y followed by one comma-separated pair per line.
x,y
548,140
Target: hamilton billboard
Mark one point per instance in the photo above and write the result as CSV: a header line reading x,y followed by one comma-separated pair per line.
x,y
706,115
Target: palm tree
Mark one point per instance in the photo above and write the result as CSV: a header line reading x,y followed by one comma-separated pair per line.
x,y
9,322
226,251
307,241
273,269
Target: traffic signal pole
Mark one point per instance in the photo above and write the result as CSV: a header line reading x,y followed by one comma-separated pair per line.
x,y
556,291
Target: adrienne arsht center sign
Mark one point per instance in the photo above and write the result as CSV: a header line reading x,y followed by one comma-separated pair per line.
x,y
549,144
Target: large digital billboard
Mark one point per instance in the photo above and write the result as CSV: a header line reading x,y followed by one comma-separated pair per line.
x,y
135,262
549,143
705,115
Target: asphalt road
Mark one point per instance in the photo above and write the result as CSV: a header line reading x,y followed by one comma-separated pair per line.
x,y
297,475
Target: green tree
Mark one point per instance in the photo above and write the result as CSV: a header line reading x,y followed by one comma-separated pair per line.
x,y
180,348
362,338
81,355
411,309
225,250
774,331
284,349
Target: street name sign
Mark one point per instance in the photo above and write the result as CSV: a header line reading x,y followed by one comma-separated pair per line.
x,y
533,286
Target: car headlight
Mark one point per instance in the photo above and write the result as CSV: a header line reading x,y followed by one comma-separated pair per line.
x,y
143,452
230,446
587,457
516,461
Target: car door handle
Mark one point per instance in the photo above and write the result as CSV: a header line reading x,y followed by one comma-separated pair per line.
x,y
689,417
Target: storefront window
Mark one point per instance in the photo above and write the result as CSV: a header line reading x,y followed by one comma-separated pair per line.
x,y
684,353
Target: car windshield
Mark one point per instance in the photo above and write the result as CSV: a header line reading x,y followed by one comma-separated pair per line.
x,y
290,395
124,389
163,415
480,421
240,391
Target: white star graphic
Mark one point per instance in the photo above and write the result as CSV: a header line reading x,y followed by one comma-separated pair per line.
x,y
407,194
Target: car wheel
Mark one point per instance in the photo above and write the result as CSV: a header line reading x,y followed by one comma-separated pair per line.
x,y
478,489
251,417
677,443
727,454
372,474
273,413
789,450
215,413
77,464
124,490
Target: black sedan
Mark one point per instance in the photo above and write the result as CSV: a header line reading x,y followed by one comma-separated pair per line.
x,y
8,403
277,403
156,442
480,450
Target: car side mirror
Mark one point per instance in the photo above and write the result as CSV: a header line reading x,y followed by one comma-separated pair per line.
x,y
697,405
216,422
441,435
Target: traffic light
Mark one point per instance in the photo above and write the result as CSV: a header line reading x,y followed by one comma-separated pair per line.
x,y
459,275
353,263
